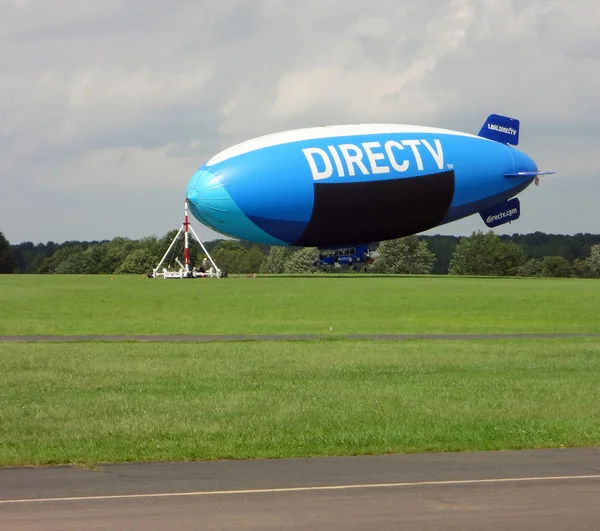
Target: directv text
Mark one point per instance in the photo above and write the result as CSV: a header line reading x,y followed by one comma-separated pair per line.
x,y
502,215
502,129
371,158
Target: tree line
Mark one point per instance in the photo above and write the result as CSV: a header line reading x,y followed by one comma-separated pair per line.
x,y
481,253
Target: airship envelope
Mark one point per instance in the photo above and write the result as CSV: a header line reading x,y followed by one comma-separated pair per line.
x,y
352,184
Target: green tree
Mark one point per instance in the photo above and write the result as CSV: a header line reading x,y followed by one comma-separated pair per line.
x,y
539,245
556,266
531,268
254,259
163,244
7,261
78,263
442,247
593,261
83,262
52,264
408,256
230,257
304,260
153,245
581,269
137,262
274,262
486,254
116,252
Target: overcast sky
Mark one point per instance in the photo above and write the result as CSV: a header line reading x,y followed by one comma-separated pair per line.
x,y
107,107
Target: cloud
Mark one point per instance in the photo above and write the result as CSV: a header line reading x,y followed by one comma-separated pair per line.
x,y
116,103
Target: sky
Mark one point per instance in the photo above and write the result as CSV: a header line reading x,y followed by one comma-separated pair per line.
x,y
108,107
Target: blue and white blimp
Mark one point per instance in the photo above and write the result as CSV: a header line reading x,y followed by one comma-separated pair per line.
x,y
346,185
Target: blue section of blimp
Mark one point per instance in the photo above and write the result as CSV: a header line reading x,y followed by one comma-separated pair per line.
x,y
267,195
462,211
474,194
211,204
273,188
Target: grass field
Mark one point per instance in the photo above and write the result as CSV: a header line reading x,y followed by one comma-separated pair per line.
x,y
350,304
100,402
112,402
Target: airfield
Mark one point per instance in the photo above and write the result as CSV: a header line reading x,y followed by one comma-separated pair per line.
x,y
331,402
544,489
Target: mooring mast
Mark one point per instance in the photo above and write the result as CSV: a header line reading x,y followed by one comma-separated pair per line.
x,y
184,271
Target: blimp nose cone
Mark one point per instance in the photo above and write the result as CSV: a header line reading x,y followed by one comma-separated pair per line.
x,y
211,203
208,199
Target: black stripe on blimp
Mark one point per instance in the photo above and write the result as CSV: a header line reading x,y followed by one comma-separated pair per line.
x,y
364,212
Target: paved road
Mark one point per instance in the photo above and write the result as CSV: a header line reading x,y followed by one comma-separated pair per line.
x,y
267,337
527,490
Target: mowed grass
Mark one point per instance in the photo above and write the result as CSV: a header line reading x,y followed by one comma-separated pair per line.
x,y
116,402
349,304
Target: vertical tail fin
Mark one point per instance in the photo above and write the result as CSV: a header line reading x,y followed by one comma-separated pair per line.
x,y
501,129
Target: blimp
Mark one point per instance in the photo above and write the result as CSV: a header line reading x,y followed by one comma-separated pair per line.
x,y
343,185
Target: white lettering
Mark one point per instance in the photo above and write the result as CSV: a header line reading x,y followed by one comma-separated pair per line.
x,y
371,158
413,145
353,159
337,160
502,129
316,174
501,215
388,149
438,154
374,157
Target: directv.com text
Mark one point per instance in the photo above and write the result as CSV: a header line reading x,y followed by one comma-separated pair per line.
x,y
496,217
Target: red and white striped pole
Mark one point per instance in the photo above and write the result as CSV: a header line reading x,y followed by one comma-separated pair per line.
x,y
186,252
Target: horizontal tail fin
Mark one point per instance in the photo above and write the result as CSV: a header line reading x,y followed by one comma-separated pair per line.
x,y
535,174
528,173
501,129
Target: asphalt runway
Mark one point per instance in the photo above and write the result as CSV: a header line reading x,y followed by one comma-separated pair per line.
x,y
267,337
525,490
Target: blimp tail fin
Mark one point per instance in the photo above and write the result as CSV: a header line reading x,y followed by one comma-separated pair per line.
x,y
501,129
529,173
535,174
